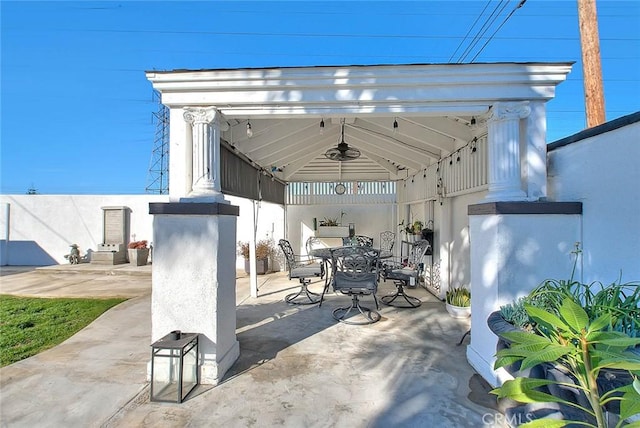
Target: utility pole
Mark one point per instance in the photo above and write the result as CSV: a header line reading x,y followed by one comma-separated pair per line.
x,y
591,66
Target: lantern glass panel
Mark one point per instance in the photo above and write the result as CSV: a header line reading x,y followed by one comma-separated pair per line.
x,y
174,367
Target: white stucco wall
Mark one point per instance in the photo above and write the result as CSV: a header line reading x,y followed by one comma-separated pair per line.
x,y
42,227
270,224
602,172
369,220
452,241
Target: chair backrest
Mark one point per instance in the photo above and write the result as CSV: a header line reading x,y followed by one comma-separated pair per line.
x,y
355,267
418,250
387,240
312,243
289,255
359,240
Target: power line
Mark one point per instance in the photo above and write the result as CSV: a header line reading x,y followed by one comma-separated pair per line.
x,y
481,32
469,31
498,29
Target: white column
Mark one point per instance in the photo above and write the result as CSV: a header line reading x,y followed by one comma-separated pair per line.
x,y
536,152
205,146
505,181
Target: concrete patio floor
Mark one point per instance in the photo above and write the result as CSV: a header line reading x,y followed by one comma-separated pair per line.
x,y
298,367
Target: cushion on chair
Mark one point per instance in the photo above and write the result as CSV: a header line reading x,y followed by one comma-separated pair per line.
x,y
402,274
312,269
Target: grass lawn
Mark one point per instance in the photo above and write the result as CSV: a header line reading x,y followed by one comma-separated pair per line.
x,y
31,325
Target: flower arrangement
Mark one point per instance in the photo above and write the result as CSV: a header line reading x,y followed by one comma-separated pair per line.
x,y
137,245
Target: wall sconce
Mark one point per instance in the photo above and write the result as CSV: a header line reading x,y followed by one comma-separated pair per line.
x,y
249,130
174,367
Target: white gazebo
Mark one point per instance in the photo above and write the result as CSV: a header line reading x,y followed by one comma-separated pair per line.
x,y
464,144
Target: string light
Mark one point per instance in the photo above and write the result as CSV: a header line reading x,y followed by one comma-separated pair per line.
x,y
249,130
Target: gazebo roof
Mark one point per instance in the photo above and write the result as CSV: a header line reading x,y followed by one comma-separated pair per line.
x,y
434,105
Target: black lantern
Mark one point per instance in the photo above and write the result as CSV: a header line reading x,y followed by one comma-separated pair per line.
x,y
174,366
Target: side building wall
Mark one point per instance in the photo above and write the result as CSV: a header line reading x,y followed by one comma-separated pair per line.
x,y
599,167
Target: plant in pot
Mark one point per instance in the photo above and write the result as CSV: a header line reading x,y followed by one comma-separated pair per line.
x,y
264,250
138,252
573,351
458,302
574,345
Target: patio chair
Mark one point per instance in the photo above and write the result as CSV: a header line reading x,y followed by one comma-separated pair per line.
x,y
405,274
302,268
387,240
359,240
355,273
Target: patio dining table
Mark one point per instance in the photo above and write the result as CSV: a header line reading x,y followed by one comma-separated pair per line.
x,y
325,255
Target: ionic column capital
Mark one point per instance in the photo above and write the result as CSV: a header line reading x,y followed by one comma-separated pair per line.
x,y
509,111
195,115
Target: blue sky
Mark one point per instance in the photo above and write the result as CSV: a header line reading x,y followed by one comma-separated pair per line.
x,y
76,108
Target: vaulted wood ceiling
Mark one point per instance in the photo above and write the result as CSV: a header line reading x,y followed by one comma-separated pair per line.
x,y
433,105
293,149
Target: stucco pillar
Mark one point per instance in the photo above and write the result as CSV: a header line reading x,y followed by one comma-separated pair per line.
x,y
194,279
505,180
509,257
205,152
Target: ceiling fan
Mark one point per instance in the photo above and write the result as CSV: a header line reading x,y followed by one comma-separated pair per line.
x,y
342,152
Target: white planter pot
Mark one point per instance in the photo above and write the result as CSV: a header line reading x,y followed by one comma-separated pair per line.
x,y
332,231
458,311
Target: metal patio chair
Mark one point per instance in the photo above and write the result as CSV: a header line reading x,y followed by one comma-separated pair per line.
x,y
302,268
359,240
387,240
404,274
355,273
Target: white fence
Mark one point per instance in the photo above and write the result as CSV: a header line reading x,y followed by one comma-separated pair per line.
x,y
463,171
355,192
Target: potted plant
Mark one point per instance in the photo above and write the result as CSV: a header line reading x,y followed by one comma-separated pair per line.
x,y
574,356
574,345
458,302
330,227
138,253
264,251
